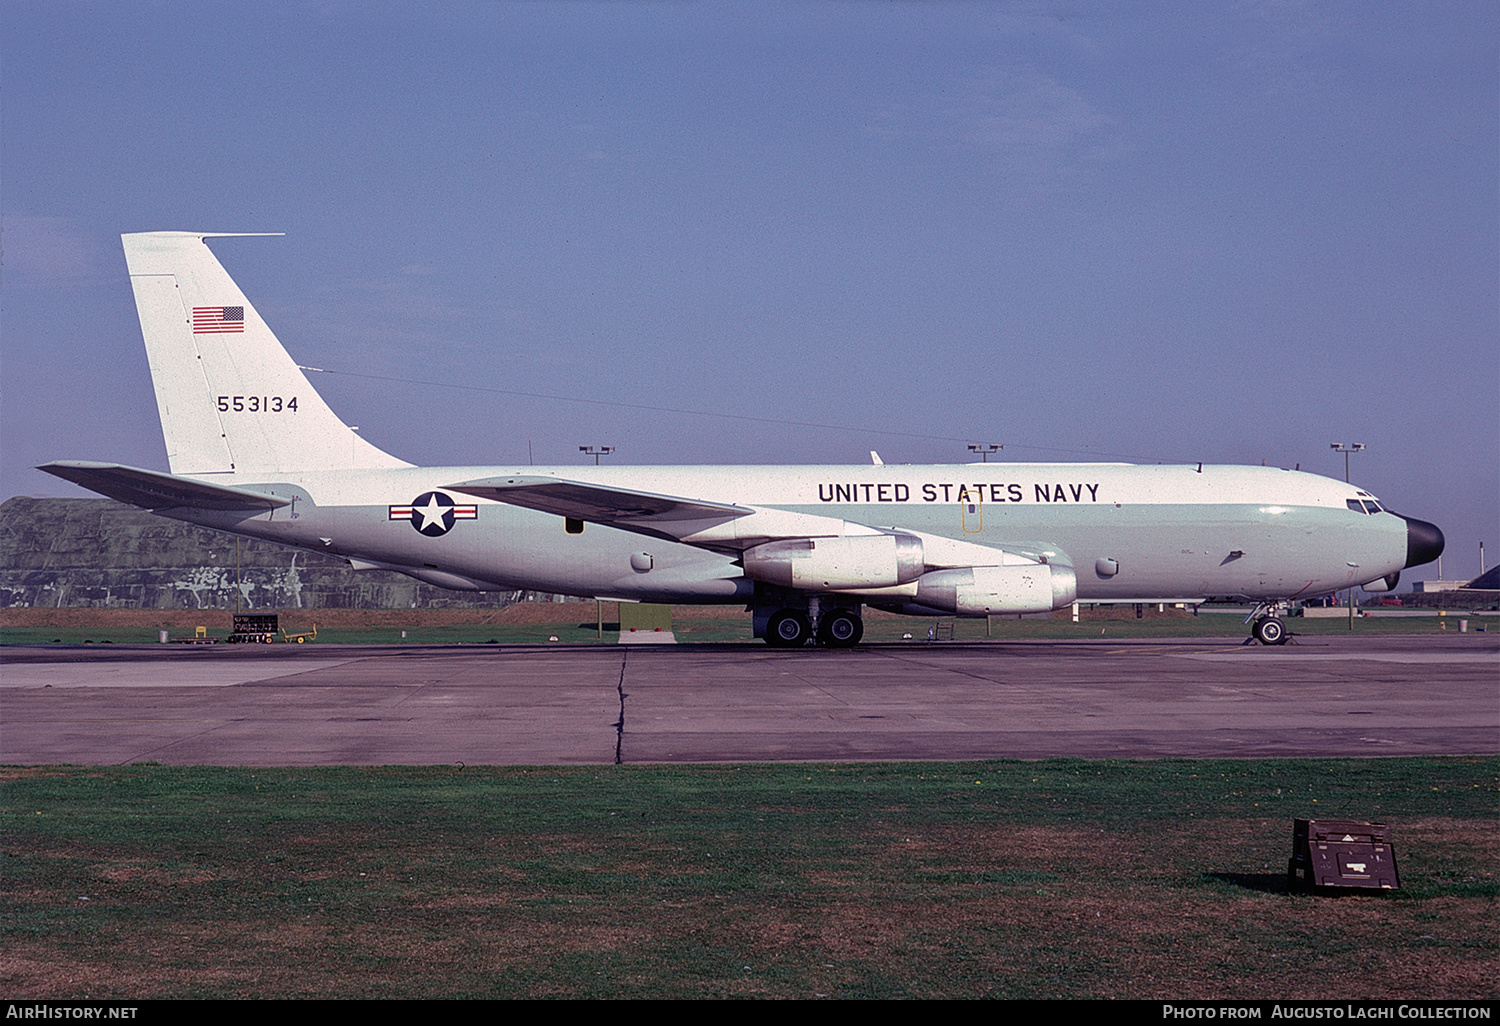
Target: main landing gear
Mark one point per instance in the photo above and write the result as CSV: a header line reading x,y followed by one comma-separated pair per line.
x,y
788,628
839,627
1266,625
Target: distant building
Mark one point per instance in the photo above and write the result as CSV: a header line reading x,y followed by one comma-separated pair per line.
x,y
1483,592
1431,587
1487,581
98,552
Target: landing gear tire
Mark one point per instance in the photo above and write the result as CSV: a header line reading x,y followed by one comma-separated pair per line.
x,y
1269,631
840,628
788,629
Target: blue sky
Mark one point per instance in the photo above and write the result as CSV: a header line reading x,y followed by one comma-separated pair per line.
x,y
1178,232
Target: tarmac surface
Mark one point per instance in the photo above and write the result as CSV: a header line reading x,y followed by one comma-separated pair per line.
x,y
481,704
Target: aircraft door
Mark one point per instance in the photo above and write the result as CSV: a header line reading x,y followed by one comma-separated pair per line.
x,y
971,511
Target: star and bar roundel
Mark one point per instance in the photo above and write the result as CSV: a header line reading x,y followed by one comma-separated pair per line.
x,y
434,513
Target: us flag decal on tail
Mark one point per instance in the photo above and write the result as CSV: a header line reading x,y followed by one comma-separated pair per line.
x,y
210,320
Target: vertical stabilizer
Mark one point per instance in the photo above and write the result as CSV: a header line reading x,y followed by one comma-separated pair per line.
x,y
231,400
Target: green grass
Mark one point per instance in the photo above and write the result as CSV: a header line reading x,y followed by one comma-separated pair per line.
x,y
1208,625
736,628
463,634
1064,878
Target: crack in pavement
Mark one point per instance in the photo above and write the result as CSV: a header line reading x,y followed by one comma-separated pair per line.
x,y
163,746
620,723
950,669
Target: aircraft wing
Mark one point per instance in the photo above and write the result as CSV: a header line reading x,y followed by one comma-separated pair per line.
x,y
807,551
616,507
151,489
715,526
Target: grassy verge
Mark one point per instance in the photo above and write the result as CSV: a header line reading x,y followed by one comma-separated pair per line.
x,y
1054,879
576,623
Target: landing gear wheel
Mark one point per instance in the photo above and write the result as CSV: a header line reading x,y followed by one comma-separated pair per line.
x,y
1270,631
788,629
841,628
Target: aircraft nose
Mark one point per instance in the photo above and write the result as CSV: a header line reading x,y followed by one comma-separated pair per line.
x,y
1424,541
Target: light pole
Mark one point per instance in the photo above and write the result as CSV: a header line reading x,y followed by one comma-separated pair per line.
x,y
596,451
985,449
1346,450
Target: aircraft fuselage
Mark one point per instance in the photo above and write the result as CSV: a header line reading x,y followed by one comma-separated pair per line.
x,y
1129,532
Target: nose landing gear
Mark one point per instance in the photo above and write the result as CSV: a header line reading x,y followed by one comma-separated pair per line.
x,y
1266,626
1269,630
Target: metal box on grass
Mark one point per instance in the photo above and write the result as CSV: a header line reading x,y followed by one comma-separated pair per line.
x,y
1342,853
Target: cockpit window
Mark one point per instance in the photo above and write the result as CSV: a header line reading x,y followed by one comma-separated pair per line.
x,y
1372,507
1354,505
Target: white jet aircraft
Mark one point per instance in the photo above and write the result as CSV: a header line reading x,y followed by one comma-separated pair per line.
x,y
254,450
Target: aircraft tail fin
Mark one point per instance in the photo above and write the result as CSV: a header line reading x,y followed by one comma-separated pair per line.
x,y
231,399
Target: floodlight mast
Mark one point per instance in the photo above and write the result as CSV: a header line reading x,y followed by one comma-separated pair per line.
x,y
1346,450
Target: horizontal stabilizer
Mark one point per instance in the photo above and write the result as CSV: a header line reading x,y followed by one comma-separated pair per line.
x,y
151,489
596,503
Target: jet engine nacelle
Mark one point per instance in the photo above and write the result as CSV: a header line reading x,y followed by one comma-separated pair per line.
x,y
858,561
981,590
